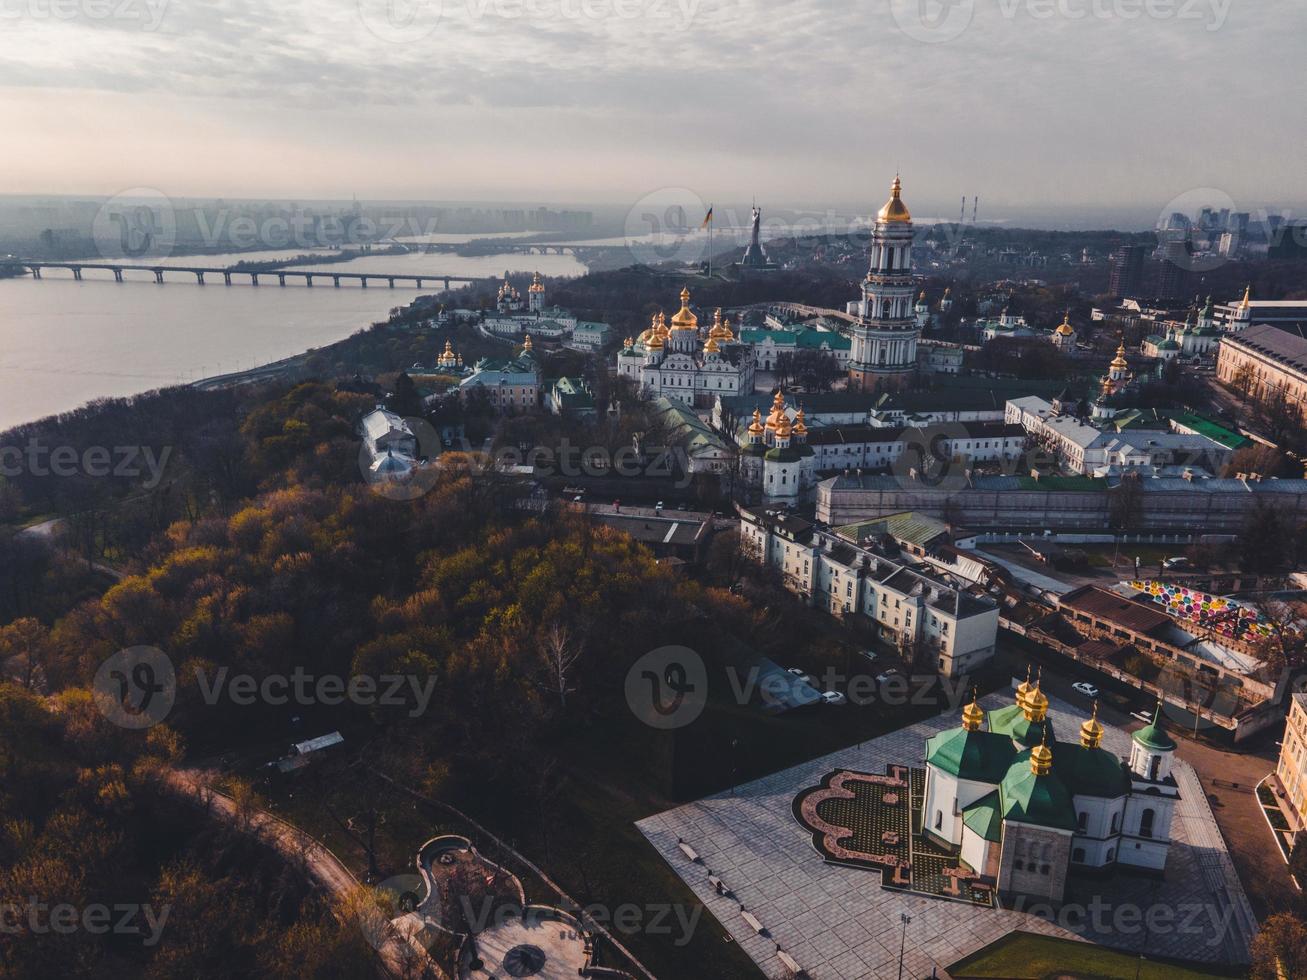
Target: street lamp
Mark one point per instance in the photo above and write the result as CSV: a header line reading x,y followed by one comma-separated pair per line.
x,y
905,919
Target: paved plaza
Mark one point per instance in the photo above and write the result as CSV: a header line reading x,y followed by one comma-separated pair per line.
x,y
837,922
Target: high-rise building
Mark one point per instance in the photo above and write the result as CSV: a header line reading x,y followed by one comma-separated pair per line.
x,y
1173,273
886,333
1127,271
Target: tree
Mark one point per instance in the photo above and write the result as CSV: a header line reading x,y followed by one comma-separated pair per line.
x,y
24,652
1126,503
1280,949
560,653
1242,381
1263,541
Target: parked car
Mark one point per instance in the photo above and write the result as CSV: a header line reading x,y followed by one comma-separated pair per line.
x,y
1172,564
833,697
1085,688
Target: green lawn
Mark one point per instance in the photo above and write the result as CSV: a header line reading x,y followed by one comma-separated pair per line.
x,y
1027,956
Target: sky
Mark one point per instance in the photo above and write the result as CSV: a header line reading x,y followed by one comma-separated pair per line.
x,y
1062,104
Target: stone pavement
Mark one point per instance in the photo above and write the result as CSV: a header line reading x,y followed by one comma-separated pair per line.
x,y
839,924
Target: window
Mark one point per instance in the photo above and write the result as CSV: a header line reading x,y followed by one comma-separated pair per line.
x,y
1146,823
1116,822
939,819
1082,821
1078,855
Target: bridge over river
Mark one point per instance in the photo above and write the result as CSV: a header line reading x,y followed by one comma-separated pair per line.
x,y
232,274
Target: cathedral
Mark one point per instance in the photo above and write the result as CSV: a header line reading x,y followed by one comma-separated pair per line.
x,y
887,329
685,363
776,458
1026,809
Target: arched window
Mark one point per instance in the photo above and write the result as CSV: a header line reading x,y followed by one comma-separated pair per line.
x,y
1116,822
1146,823
939,819
1111,854
1082,821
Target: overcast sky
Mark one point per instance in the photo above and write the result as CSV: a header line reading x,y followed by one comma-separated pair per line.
x,y
1035,103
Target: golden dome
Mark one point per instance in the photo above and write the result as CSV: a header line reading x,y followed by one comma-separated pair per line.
x,y
655,342
1024,689
755,427
728,334
1041,757
629,342
783,428
526,343
777,411
711,347
800,427
1091,732
719,329
894,209
973,716
1036,708
1066,330
1120,361
685,319
536,285
1247,298
661,324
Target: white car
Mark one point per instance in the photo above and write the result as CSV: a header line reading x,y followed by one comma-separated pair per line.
x,y
1173,563
834,697
1088,690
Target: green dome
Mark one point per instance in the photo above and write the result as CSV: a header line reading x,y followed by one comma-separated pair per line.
x,y
981,756
1011,722
1168,345
1040,800
1153,736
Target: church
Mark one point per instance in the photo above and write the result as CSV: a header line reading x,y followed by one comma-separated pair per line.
x,y
683,363
886,331
1027,809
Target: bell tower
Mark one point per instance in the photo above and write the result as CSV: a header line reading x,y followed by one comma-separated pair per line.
x,y
886,334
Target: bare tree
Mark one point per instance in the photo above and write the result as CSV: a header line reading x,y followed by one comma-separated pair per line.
x,y
560,654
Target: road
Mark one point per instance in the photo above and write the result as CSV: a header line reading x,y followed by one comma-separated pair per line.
x,y
399,955
47,532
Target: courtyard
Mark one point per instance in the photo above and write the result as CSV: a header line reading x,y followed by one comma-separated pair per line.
x,y
755,867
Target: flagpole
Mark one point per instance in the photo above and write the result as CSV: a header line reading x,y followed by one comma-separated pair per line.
x,y
711,215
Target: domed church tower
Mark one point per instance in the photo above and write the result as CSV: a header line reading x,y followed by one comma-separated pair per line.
x,y
886,333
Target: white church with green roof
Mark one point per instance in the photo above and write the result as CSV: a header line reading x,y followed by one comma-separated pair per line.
x,y
1026,810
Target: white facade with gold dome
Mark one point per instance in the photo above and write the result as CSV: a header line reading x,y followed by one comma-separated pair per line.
x,y
685,362
887,330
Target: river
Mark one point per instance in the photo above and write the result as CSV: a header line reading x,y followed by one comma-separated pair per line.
x,y
63,342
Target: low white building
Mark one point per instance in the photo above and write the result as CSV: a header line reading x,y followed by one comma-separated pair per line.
x,y
908,603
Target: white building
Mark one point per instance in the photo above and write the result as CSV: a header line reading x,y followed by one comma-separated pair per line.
x,y
908,603
1025,808
686,364
885,335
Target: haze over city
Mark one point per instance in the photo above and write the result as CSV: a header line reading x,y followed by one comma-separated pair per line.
x,y
1044,109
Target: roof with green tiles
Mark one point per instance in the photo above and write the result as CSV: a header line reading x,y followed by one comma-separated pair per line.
x,y
1089,772
918,529
984,819
983,757
1040,800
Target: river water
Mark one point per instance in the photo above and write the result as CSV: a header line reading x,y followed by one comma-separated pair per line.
x,y
63,342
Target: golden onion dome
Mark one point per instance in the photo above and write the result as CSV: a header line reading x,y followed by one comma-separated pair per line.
x,y
1036,705
662,324
728,334
783,427
1120,361
1024,689
1041,757
685,318
536,285
719,330
973,716
800,427
526,343
655,342
629,343
1091,732
755,427
711,347
895,209
1066,330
